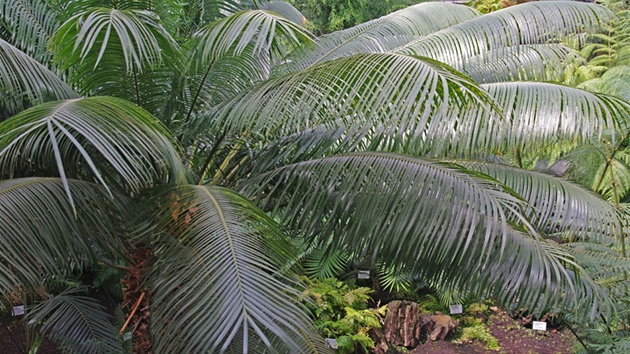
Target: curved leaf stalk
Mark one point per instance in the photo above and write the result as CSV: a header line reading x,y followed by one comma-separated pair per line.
x,y
194,101
226,163
243,161
210,157
609,162
135,81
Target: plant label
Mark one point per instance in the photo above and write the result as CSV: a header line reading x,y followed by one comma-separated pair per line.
x,y
18,310
331,343
455,309
539,326
363,274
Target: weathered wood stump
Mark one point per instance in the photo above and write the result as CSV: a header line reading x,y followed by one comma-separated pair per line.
x,y
406,326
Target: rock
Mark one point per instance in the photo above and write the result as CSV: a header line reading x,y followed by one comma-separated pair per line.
x,y
406,326
443,327
380,344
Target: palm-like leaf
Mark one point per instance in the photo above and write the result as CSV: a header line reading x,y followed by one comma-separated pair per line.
x,y
397,95
283,9
382,34
558,205
218,285
531,23
234,53
78,323
105,139
103,47
397,207
30,24
41,239
266,31
538,62
541,117
25,82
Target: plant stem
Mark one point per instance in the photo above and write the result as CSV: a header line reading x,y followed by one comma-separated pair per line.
x,y
133,312
211,154
576,336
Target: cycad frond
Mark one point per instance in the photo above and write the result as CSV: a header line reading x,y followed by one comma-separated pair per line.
x,y
380,35
103,139
547,118
77,323
218,285
283,9
537,62
558,205
235,52
268,32
24,82
397,95
531,23
396,207
40,237
30,24
100,46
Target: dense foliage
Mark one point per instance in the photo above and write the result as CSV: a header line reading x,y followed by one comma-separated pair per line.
x,y
203,150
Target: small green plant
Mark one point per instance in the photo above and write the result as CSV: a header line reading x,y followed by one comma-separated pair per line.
x,y
341,312
481,333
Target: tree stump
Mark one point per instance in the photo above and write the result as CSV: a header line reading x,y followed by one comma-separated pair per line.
x,y
406,326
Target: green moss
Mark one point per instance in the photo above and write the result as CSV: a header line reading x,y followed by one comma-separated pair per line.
x,y
480,333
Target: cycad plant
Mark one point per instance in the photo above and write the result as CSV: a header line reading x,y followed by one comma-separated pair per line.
x,y
191,146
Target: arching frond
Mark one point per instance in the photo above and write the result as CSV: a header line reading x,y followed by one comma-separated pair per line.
x,y
246,44
104,139
537,62
544,118
399,96
285,10
25,82
77,323
397,207
380,35
100,46
30,23
88,35
218,285
531,23
558,205
41,239
268,33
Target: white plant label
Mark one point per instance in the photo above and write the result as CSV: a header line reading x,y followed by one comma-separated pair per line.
x,y
331,343
18,310
455,309
539,326
363,274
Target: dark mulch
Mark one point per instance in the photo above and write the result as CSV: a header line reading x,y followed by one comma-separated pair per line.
x,y
12,338
513,339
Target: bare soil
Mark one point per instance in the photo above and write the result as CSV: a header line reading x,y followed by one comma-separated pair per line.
x,y
513,339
